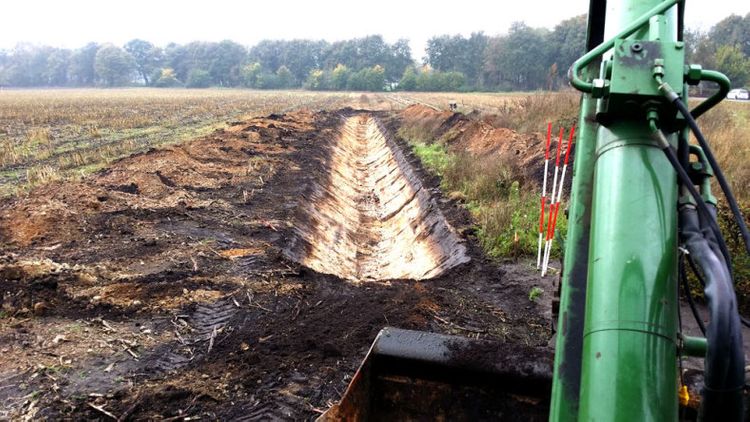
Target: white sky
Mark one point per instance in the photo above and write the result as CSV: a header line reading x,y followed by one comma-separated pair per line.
x,y
72,23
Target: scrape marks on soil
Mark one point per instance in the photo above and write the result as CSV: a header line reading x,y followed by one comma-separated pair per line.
x,y
372,218
182,252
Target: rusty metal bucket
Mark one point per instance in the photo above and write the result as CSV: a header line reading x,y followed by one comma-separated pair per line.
x,y
414,375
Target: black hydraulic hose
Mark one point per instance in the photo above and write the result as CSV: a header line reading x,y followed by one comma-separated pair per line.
x,y
711,236
725,362
696,272
707,216
702,282
700,203
738,217
689,296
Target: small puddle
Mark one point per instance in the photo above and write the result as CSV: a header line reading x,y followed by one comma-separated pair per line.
x,y
372,219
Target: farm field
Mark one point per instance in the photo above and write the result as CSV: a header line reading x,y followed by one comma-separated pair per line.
x,y
220,254
66,133
52,134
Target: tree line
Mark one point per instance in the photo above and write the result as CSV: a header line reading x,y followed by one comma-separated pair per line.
x,y
525,58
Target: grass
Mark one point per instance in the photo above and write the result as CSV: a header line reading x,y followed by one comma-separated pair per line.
x,y
503,210
502,201
48,135
503,204
725,128
535,293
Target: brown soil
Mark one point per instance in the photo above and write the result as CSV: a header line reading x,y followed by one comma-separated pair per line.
x,y
474,134
372,219
205,280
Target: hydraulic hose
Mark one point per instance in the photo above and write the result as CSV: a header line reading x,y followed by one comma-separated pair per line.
x,y
689,296
738,217
724,363
707,217
702,282
714,238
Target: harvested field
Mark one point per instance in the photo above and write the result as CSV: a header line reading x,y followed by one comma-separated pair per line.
x,y
48,135
183,281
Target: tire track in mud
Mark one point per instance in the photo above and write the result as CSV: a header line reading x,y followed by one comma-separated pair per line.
x,y
206,322
372,219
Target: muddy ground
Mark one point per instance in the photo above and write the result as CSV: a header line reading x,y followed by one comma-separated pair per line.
x,y
173,286
244,275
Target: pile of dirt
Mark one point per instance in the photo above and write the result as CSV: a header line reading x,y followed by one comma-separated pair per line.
x,y
472,133
160,288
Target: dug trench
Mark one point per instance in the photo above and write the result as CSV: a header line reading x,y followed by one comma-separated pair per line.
x,y
243,275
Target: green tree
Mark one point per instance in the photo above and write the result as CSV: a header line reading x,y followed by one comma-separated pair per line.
x,y
451,81
284,77
424,79
249,74
340,77
734,64
447,53
114,66
398,59
226,59
147,57
317,80
357,81
408,80
299,56
567,43
733,31
198,78
167,79
81,71
58,63
375,78
509,64
268,80
700,48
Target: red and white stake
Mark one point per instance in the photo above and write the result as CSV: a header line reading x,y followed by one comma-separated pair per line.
x,y
544,197
557,200
552,202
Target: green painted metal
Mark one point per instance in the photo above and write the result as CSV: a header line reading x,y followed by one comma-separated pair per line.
x,y
623,230
632,72
630,24
694,346
573,278
724,86
569,341
629,370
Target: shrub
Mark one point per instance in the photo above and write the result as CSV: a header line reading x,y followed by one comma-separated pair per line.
x,y
408,81
340,77
198,78
249,75
284,78
167,79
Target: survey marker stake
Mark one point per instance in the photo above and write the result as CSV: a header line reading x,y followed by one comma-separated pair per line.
x,y
544,197
559,197
552,201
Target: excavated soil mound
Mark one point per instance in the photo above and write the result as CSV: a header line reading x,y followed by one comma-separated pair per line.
x,y
472,134
372,219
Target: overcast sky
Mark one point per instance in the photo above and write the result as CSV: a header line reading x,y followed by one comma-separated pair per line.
x,y
72,23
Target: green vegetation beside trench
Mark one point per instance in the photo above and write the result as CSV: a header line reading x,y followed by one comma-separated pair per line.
x,y
505,208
